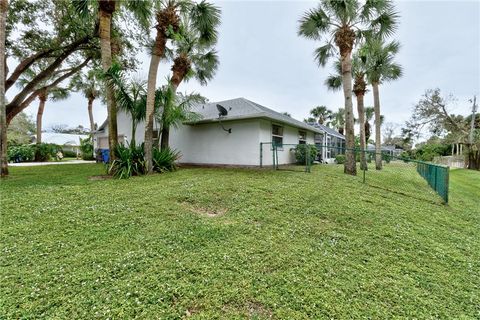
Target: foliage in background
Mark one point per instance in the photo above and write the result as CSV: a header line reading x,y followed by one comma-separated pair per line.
x,y
302,150
21,129
21,153
164,159
45,151
340,159
86,148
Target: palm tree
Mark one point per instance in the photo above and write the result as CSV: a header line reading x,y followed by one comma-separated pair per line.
x,y
88,85
369,113
338,120
345,22
130,96
174,108
167,25
46,90
3,102
381,68
195,56
321,114
334,82
53,93
106,9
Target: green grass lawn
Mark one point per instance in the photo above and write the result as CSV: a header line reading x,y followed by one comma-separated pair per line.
x,y
231,243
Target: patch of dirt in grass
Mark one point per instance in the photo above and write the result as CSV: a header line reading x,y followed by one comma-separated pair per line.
x,y
100,177
205,211
252,310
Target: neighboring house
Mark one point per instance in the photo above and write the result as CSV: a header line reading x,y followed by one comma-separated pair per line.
x,y
68,142
329,142
232,139
387,149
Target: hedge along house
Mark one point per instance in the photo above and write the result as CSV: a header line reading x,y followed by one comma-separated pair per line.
x,y
228,133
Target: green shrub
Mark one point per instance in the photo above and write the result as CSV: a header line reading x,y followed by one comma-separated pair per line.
x,y
86,148
21,153
69,154
386,157
130,161
164,160
340,159
301,151
45,151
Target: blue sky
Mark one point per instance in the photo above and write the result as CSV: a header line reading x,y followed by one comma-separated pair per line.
x,y
263,59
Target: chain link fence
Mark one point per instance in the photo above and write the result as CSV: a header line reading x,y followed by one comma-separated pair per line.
x,y
401,175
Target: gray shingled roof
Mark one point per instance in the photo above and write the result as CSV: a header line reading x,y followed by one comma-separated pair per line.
x,y
241,108
328,130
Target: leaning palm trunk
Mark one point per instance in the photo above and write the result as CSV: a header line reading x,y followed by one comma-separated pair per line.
x,y
152,82
157,54
378,145
3,113
107,7
350,164
41,107
90,115
361,118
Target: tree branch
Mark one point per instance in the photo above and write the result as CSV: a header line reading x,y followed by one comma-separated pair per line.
x,y
14,110
68,50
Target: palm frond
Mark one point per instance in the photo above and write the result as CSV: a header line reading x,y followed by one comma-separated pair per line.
x,y
323,54
334,82
205,17
314,24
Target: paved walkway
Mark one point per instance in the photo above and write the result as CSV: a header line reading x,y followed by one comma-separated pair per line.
x,y
32,164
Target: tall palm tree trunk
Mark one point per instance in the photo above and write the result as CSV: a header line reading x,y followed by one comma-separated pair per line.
x,y
41,106
361,119
134,132
157,54
378,142
350,164
106,8
3,102
90,115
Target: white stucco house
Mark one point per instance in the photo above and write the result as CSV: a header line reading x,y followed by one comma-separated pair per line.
x,y
231,139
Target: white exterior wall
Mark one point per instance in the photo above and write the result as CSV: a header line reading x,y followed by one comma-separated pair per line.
x,y
209,144
290,136
124,128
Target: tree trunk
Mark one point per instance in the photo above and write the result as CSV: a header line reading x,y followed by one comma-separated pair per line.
x,y
41,107
378,142
361,119
165,136
157,54
350,163
106,11
90,115
3,107
134,132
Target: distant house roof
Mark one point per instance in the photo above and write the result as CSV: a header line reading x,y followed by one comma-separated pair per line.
x,y
328,130
241,108
63,139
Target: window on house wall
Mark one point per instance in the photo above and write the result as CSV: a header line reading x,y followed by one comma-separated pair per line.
x,y
277,135
302,137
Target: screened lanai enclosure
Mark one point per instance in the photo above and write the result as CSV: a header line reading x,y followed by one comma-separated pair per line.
x,y
329,144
